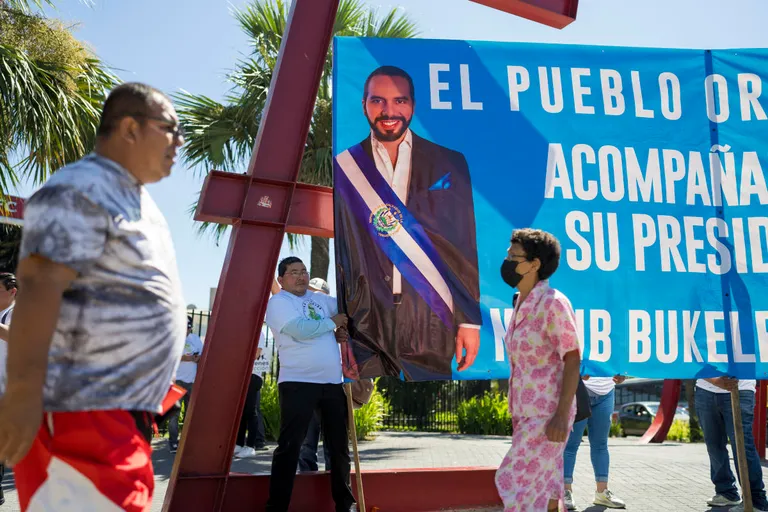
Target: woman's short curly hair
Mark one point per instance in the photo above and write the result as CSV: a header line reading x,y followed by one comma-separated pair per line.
x,y
539,244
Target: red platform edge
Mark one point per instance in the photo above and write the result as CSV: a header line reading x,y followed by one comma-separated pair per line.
x,y
406,490
554,13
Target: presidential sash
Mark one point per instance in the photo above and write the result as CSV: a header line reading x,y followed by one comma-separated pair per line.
x,y
393,229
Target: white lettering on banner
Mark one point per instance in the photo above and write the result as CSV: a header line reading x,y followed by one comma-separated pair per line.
x,y
580,91
665,336
750,89
500,329
519,81
466,95
662,329
714,337
613,99
639,336
665,234
613,173
718,110
576,223
435,86
555,106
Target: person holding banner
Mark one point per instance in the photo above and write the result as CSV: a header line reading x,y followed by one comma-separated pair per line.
x,y
713,406
543,349
405,235
307,329
602,399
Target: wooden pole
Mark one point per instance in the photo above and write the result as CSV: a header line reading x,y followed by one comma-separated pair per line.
x,y
741,452
356,454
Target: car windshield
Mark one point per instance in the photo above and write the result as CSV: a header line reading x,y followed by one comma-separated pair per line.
x,y
652,409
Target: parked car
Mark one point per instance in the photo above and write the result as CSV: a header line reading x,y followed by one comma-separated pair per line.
x,y
635,418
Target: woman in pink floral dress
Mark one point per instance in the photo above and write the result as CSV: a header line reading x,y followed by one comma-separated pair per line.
x,y
543,350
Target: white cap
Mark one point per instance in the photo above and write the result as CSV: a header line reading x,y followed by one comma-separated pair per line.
x,y
319,284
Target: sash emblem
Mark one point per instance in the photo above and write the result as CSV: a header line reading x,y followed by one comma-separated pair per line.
x,y
386,219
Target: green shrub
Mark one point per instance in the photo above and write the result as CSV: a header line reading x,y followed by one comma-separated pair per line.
x,y
486,415
270,408
679,431
616,430
369,417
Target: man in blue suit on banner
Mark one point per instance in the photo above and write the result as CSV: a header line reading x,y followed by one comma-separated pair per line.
x,y
405,243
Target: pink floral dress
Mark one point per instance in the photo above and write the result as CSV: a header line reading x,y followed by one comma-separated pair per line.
x,y
542,331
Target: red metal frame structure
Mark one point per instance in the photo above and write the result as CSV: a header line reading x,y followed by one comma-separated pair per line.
x,y
262,206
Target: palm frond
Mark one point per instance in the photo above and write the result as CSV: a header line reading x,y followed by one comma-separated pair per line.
x,y
49,111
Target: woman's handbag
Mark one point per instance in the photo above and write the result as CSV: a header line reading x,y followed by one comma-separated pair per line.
x,y
583,408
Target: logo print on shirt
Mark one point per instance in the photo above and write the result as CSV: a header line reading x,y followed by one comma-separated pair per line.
x,y
313,310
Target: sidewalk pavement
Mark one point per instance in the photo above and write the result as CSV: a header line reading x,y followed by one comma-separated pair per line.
x,y
650,478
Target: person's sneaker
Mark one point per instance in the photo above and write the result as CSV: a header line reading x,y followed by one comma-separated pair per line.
x,y
173,448
608,500
740,508
247,453
721,501
569,503
238,451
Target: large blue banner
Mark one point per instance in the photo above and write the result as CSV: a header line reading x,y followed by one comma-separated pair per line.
x,y
647,164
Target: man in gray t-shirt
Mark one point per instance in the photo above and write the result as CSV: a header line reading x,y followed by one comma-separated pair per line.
x,y
99,327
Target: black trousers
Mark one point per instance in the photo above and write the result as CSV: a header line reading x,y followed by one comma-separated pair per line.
x,y
252,421
298,401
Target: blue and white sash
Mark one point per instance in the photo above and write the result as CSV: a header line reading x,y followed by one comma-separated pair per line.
x,y
393,229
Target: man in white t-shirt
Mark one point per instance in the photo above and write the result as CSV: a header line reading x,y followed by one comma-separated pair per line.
x,y
8,290
185,377
713,406
307,328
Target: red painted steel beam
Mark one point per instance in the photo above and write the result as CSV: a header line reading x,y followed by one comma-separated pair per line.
x,y
238,311
223,195
407,490
555,13
670,395
759,423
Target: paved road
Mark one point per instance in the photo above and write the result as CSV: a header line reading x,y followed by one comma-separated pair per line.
x,y
667,477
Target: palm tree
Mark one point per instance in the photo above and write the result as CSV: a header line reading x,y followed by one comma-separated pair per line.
x,y
222,135
51,92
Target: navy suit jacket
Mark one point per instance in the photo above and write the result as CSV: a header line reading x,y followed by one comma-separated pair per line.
x,y
440,198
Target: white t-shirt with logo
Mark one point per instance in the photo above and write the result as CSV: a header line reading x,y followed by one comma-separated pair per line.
x,y
5,319
188,369
744,385
316,360
261,363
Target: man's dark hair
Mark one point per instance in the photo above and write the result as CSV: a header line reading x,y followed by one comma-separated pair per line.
x,y
8,280
389,71
125,100
539,244
282,267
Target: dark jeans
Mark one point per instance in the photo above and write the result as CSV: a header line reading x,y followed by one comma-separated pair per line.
x,y
716,419
308,453
173,417
298,401
252,420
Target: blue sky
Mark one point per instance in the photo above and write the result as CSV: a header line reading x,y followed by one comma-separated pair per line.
x,y
192,44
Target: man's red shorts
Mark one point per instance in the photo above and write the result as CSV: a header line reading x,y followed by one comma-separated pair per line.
x,y
87,461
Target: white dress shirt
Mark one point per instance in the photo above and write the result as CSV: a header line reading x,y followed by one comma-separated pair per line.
x,y
398,176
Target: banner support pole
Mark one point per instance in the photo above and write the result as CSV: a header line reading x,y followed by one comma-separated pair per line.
x,y
741,452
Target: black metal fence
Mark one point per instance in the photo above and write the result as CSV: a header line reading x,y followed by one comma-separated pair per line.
x,y
421,406
427,406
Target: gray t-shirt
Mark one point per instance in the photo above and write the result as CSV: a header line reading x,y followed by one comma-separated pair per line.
x,y
122,322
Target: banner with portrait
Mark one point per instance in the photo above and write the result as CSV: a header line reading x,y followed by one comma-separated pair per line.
x,y
646,164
